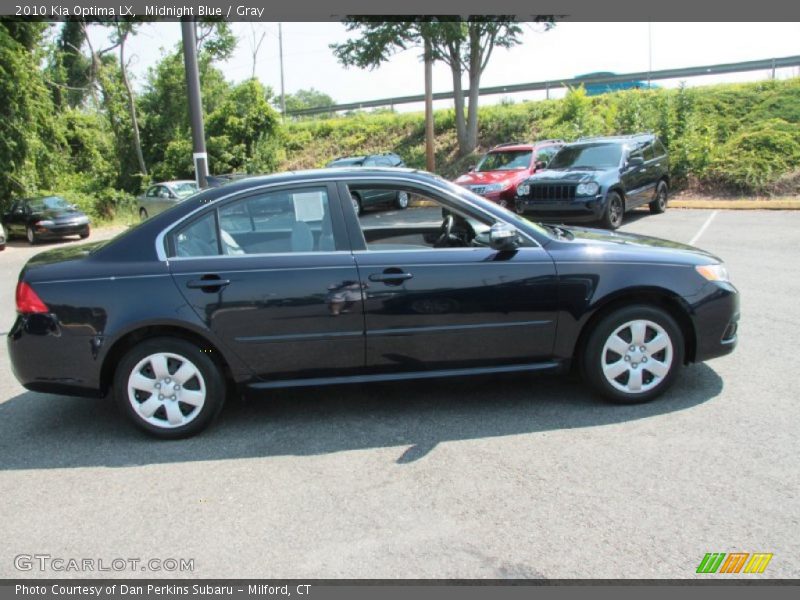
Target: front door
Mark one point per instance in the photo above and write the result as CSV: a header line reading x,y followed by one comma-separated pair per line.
x,y
435,297
270,275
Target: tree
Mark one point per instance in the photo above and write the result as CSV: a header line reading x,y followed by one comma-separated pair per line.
x,y
465,46
309,98
31,141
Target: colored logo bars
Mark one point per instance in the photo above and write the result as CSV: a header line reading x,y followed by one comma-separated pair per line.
x,y
736,562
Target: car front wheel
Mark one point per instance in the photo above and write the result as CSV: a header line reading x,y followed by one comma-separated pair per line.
x,y
402,200
169,388
356,204
142,214
633,354
30,234
615,210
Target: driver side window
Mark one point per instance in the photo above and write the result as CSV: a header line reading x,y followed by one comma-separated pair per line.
x,y
393,218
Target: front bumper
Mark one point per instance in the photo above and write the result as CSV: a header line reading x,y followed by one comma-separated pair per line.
x,y
716,318
57,231
580,210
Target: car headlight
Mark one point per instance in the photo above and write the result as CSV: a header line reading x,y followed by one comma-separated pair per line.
x,y
44,223
587,189
523,189
717,272
493,187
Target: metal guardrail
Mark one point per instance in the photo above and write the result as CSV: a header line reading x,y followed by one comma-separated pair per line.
x,y
738,67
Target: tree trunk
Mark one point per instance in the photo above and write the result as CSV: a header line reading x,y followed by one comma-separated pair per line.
x,y
132,108
430,156
475,56
458,100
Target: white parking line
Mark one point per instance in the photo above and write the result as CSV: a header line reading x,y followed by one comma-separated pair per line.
x,y
697,235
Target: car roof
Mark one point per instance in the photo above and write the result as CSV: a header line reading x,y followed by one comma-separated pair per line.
x,y
172,182
524,145
636,137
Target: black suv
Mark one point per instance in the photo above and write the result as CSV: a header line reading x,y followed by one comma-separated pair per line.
x,y
598,179
368,198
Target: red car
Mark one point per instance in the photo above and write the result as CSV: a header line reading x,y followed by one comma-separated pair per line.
x,y
500,170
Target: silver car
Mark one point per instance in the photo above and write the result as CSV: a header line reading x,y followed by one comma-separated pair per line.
x,y
161,196
2,237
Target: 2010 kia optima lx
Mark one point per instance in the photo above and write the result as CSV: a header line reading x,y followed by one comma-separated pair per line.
x,y
276,281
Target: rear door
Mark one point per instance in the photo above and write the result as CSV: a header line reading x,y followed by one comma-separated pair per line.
x,y
270,273
432,304
634,179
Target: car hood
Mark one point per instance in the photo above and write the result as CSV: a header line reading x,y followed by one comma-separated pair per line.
x,y
59,215
576,176
489,177
602,244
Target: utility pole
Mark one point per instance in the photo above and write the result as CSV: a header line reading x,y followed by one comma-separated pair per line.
x,y
430,157
280,52
199,154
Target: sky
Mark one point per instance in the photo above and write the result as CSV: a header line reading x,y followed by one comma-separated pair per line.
x,y
567,50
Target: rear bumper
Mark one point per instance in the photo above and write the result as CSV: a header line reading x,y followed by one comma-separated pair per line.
x,y
574,211
716,318
45,358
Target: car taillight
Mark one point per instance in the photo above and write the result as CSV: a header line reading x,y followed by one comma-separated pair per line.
x,y
28,301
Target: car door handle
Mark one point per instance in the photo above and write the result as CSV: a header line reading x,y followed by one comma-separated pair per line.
x,y
391,276
208,283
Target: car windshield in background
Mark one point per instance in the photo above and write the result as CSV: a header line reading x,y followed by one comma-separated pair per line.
x,y
182,190
505,161
346,162
587,156
50,203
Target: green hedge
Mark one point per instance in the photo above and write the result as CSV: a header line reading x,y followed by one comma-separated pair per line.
x,y
742,138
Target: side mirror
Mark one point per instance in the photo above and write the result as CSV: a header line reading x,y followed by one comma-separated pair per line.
x,y
503,236
471,168
539,164
635,161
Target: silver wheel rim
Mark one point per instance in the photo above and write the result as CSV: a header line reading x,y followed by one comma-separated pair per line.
x,y
29,233
662,197
402,199
143,214
616,210
637,356
166,390
356,205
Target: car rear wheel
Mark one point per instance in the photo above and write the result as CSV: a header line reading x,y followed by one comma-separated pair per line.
x,y
615,210
169,388
402,200
659,204
356,200
30,234
142,214
633,354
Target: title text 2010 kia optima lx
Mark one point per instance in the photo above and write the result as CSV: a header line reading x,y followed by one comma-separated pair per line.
x,y
275,281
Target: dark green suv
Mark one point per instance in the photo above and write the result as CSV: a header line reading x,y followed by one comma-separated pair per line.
x,y
598,179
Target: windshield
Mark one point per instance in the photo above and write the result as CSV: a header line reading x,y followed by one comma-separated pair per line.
x,y
346,162
182,190
50,203
588,156
505,161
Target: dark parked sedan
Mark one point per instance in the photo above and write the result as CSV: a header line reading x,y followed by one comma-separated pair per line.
x,y
48,217
275,281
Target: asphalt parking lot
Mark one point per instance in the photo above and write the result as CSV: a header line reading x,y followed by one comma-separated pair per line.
x,y
512,477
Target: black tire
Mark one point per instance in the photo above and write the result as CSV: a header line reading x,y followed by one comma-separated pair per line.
x,y
615,211
85,234
652,385
143,214
357,206
31,236
659,204
401,200
210,378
